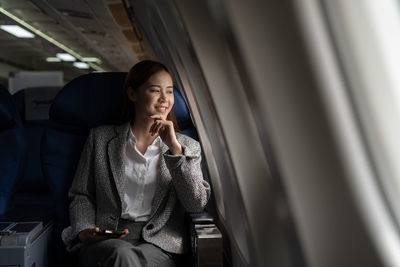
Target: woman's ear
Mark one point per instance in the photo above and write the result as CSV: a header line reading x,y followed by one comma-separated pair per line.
x,y
131,94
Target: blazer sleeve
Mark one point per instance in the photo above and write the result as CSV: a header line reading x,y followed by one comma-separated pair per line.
x,y
187,177
82,209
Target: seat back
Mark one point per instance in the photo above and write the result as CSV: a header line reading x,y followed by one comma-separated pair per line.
x,y
12,148
32,191
85,102
183,116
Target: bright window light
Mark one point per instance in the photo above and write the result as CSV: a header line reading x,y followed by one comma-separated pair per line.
x,y
17,31
65,57
81,65
53,59
91,59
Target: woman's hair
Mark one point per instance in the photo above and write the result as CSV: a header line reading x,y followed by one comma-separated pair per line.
x,y
137,76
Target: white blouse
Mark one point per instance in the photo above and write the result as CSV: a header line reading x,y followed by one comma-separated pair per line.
x,y
141,179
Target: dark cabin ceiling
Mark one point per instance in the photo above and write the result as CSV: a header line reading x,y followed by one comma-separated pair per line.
x,y
92,28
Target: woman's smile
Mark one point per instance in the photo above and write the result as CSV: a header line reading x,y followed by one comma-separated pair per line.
x,y
162,109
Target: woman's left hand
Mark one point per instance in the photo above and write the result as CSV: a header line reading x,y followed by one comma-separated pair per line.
x,y
165,129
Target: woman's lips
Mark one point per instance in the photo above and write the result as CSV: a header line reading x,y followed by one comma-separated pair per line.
x,y
162,109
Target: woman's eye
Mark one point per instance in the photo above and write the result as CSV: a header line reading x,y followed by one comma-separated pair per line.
x,y
154,90
170,92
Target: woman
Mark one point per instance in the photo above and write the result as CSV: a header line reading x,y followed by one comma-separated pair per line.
x,y
139,177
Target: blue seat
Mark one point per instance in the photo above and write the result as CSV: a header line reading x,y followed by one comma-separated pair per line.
x,y
12,149
32,191
85,102
183,116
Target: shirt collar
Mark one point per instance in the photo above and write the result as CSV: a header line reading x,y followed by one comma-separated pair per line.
x,y
132,137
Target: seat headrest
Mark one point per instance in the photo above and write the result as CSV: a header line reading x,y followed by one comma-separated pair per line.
x,y
93,99
33,103
181,111
7,110
89,100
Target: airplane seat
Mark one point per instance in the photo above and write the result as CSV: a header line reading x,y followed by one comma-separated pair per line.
x,y
86,102
32,190
12,152
183,116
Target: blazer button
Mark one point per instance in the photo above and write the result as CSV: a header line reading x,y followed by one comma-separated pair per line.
x,y
113,218
150,226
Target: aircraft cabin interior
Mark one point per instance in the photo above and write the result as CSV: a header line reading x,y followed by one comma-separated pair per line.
x,y
289,118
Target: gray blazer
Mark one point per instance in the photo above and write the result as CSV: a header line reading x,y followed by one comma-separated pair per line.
x,y
98,188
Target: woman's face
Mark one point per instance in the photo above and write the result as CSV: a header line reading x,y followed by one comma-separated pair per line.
x,y
154,97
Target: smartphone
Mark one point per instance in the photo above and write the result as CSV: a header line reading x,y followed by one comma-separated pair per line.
x,y
111,232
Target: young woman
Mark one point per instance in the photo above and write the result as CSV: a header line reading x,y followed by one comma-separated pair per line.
x,y
139,177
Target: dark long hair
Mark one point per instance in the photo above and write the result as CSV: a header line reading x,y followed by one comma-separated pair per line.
x,y
137,76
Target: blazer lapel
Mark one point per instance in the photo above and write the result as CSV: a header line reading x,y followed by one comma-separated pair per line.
x,y
116,148
163,181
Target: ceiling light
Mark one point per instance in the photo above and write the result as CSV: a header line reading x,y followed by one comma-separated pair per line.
x,y
48,38
17,31
53,59
81,65
91,59
65,57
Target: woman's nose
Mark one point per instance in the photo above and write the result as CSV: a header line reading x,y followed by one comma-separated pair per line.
x,y
163,96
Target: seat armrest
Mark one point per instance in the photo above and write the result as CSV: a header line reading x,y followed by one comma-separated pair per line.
x,y
201,218
206,240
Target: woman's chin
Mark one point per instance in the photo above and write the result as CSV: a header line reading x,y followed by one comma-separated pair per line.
x,y
163,114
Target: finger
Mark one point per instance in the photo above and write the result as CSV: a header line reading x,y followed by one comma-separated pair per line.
x,y
88,235
156,116
162,129
94,231
88,232
153,127
158,127
168,128
170,124
124,235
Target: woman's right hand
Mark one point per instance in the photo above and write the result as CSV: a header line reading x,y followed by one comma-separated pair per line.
x,y
91,235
